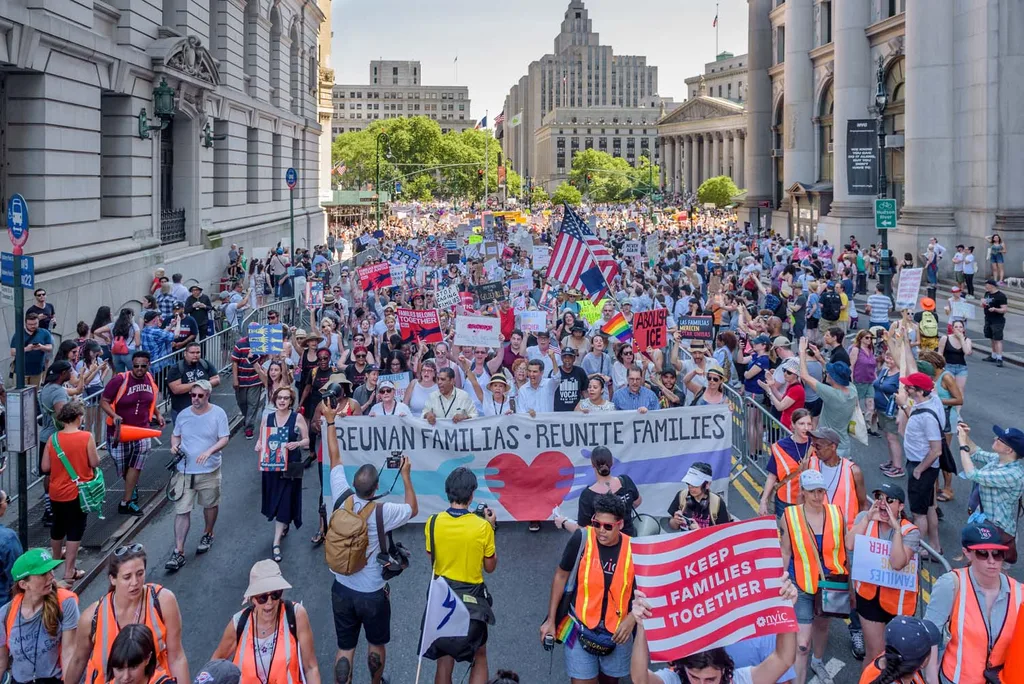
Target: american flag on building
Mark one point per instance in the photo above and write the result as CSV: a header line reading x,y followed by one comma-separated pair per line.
x,y
579,260
500,118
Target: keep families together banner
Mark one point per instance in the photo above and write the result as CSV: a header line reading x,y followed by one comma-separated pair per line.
x,y
527,466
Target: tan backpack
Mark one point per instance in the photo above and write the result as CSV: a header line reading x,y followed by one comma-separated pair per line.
x,y
347,537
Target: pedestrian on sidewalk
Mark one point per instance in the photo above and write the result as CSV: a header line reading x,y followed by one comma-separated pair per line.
x,y
970,268
73,447
994,305
38,343
283,435
200,434
52,398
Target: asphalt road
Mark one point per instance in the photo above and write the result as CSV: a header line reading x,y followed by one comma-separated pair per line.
x,y
209,588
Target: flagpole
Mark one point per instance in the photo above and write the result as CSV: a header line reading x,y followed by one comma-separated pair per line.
x,y
716,30
487,158
419,666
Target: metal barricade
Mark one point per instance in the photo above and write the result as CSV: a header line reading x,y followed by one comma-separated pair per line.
x,y
926,579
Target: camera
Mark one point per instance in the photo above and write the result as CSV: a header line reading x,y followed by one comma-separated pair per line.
x,y
331,393
177,458
480,510
394,461
549,642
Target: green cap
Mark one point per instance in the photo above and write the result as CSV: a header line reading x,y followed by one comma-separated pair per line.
x,y
33,562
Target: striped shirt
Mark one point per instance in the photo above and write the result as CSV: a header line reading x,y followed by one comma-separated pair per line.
x,y
880,306
247,376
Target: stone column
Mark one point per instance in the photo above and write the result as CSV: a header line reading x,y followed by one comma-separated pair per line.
x,y
705,172
727,168
716,153
756,155
1010,212
798,140
930,141
741,156
679,178
693,155
853,87
666,164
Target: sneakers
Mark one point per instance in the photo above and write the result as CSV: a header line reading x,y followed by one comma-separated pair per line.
x,y
48,518
999,363
818,668
175,562
130,508
989,359
857,643
248,433
535,526
205,543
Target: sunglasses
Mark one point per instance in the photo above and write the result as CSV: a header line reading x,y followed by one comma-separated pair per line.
x,y
41,294
122,550
385,391
272,318
984,554
360,356
140,365
607,527
886,499
263,598
196,394
715,378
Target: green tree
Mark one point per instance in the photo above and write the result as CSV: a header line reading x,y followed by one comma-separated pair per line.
x,y
540,195
720,190
567,193
645,178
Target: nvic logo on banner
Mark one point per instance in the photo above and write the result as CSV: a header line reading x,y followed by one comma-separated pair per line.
x,y
712,587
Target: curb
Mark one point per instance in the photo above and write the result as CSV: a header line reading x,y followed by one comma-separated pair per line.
x,y
153,507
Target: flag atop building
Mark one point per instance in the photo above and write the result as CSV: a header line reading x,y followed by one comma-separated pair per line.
x,y
445,615
714,24
579,260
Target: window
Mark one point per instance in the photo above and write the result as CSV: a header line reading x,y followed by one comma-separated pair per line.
x,y
729,91
825,135
780,45
826,22
777,145
251,45
252,165
394,71
115,166
893,7
294,66
895,125
719,91
221,166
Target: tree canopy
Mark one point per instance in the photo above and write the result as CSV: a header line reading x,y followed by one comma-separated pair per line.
x,y
720,190
567,193
604,178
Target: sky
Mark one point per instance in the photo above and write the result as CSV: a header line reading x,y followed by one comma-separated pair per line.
x,y
496,41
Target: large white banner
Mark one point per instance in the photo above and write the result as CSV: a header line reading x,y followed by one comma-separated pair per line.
x,y
527,466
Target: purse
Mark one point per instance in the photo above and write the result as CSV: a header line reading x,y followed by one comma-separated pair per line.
x,y
91,494
833,596
565,601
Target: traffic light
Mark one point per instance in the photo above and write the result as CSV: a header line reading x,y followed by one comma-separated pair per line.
x,y
480,173
590,177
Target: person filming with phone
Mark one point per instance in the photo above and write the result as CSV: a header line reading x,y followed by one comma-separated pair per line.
x,y
360,595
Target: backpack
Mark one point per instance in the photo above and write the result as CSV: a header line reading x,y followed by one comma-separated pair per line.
x,y
289,616
120,346
714,505
831,306
203,364
929,325
347,537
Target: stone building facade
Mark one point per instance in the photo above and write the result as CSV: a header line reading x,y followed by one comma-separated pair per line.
x,y
110,202
954,156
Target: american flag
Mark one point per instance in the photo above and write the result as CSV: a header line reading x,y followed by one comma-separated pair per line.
x,y
500,118
579,260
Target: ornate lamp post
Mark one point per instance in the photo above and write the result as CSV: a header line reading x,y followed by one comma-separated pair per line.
x,y
881,102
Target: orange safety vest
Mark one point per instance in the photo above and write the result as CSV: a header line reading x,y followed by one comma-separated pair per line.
x,y
106,629
788,467
846,490
594,606
893,601
965,657
284,664
805,548
1013,670
124,388
871,672
15,607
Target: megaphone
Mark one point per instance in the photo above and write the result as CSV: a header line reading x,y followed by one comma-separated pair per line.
x,y
131,433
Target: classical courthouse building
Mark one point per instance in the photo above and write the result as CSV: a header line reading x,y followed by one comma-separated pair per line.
x,y
234,91
705,136
952,73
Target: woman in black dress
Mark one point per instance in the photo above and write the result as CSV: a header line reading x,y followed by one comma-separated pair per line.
x,y
282,437
605,483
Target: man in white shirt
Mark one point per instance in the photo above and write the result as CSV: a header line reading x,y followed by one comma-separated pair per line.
x,y
361,600
922,447
178,291
538,395
448,402
545,353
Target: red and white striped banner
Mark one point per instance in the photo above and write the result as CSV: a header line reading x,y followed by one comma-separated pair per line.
x,y
712,587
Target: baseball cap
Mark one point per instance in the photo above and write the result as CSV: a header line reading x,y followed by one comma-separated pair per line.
x,y
955,289
177,305
218,672
781,341
568,351
33,562
920,381
911,637
150,315
761,339
992,282
891,490
980,536
827,434
1012,437
696,477
204,385
811,480
386,384
791,365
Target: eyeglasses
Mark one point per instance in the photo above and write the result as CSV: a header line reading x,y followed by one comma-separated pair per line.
x,y
140,365
385,391
627,353
607,527
122,550
272,317
263,598
984,554
887,499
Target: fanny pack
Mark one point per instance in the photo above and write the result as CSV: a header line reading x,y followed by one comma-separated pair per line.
x,y
597,642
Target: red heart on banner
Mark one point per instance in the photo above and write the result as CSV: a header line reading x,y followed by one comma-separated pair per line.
x,y
529,492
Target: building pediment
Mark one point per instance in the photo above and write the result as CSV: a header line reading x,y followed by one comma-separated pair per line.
x,y
702,108
186,59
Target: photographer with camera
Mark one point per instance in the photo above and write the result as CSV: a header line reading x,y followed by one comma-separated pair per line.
x,y
461,547
359,527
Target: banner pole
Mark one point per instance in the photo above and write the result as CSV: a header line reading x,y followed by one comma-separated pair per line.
x,y
419,666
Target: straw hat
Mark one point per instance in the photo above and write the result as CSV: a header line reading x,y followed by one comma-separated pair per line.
x,y
265,577
313,336
500,379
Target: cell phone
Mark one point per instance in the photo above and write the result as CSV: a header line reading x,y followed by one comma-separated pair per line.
x,y
394,461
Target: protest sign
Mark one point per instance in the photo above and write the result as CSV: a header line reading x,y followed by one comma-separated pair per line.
x,y
541,257
533,321
420,325
401,383
488,222
529,456
652,247
519,286
398,272
447,297
375,276
711,587
314,294
493,270
491,292
962,309
367,255
590,311
475,239
465,302
696,327
491,250
478,331
403,256
631,248
265,338
650,329
871,564
521,271
519,305
452,258
909,286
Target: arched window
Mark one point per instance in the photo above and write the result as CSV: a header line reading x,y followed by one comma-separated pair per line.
x,y
825,130
777,146
276,68
252,10
294,68
895,85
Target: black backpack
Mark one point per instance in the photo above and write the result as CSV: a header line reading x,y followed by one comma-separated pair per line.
x,y
831,306
289,615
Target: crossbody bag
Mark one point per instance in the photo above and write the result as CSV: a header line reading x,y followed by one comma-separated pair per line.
x,y
91,493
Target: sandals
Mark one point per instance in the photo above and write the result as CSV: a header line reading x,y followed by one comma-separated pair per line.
x,y
318,538
895,473
276,555
945,495
79,574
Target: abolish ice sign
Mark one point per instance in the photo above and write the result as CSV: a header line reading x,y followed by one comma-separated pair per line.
x,y
291,178
17,221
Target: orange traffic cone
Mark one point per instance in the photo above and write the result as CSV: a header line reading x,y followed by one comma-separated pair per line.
x,y
130,433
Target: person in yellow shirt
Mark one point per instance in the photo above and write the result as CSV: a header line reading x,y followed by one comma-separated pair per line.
x,y
461,547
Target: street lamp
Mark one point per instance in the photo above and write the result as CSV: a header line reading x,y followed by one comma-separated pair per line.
x,y
163,109
381,137
881,102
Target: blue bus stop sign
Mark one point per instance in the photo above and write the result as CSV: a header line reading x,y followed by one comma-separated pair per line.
x,y
17,221
291,178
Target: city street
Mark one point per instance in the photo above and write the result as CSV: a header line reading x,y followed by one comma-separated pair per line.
x,y
209,588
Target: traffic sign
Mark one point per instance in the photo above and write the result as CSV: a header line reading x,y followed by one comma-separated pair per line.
x,y
657,197
885,214
17,221
398,187
28,270
291,178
